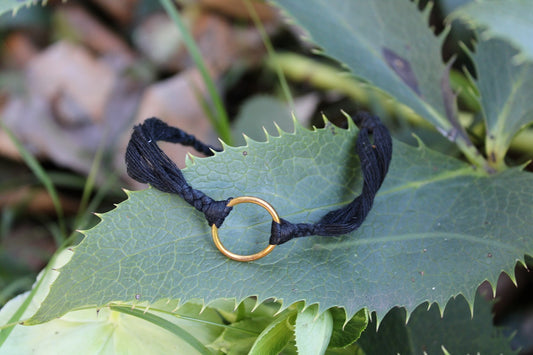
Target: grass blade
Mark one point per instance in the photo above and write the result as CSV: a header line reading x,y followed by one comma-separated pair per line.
x,y
43,177
221,124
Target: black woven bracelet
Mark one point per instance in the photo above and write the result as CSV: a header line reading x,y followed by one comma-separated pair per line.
x,y
147,163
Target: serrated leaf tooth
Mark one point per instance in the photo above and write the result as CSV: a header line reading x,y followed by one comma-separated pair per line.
x,y
419,141
407,315
349,120
324,120
298,128
295,122
282,307
256,304
248,140
445,32
278,128
426,11
189,159
203,308
224,146
471,306
444,350
267,135
512,277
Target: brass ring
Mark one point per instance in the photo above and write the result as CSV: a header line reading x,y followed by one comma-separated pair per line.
x,y
251,257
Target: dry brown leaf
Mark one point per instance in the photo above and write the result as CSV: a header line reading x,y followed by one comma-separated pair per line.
x,y
159,40
221,44
65,68
75,105
214,37
121,10
36,201
92,33
19,50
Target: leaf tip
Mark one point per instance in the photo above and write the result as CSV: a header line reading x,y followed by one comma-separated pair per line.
x,y
420,143
224,146
189,159
267,135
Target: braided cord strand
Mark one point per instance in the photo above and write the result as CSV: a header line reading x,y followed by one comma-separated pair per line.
x,y
147,163
375,157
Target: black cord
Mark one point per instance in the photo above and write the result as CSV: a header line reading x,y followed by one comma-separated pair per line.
x,y
147,163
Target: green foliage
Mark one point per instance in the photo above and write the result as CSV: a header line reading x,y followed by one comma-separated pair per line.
x,y
346,332
275,336
459,330
410,248
389,44
505,94
313,331
434,217
191,328
503,19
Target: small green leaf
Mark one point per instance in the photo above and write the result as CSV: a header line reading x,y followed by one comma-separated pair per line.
x,y
345,333
511,20
239,337
458,331
274,337
506,89
247,323
313,331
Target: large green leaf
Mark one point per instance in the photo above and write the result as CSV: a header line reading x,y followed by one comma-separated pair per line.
x,y
511,20
506,89
459,330
389,44
439,227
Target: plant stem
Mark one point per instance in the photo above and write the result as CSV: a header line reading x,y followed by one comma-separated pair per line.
x,y
41,174
221,124
271,54
326,77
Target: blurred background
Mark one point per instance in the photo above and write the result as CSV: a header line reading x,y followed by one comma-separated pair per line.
x,y
76,76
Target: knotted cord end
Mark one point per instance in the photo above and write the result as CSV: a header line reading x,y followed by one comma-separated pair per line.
x,y
284,231
216,212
